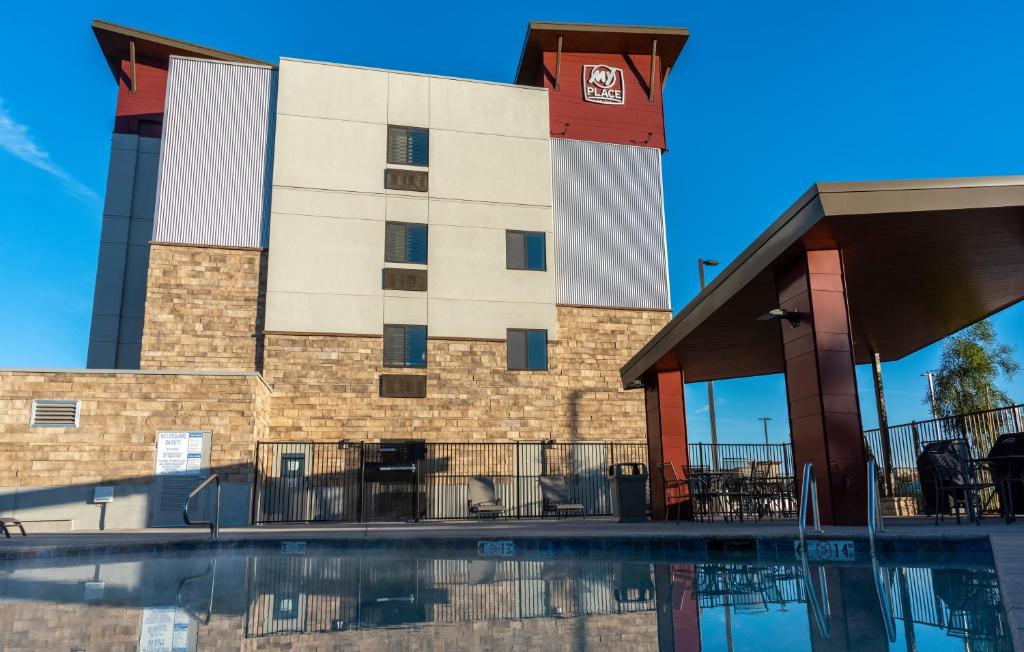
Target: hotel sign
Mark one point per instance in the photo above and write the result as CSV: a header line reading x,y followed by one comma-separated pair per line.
x,y
603,84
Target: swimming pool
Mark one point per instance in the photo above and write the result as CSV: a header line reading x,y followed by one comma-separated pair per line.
x,y
498,595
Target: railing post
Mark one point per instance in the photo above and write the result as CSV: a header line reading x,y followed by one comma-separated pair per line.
x,y
917,438
519,482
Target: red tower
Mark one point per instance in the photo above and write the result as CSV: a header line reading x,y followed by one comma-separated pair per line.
x,y
605,81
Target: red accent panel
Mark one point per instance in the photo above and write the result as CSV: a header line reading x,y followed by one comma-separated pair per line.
x,y
638,121
666,440
678,614
141,112
821,386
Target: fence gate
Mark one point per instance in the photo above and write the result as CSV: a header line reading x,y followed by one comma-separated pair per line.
x,y
302,482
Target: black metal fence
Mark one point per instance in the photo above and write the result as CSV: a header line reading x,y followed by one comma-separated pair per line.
x,y
906,441
739,456
289,595
352,481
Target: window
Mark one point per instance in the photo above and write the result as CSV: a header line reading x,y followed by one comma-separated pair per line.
x,y
408,146
405,346
285,606
54,414
293,465
405,243
527,349
525,250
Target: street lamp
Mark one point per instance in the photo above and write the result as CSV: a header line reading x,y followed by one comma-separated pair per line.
x,y
765,421
701,263
931,392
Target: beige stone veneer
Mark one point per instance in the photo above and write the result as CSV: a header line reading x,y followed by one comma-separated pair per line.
x,y
120,414
203,308
325,387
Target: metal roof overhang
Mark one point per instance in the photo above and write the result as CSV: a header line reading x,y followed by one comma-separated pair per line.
x,y
612,39
922,259
114,41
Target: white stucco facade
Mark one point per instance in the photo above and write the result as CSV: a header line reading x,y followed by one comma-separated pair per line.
x,y
489,171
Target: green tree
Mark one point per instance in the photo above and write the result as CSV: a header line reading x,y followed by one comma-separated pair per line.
x,y
972,361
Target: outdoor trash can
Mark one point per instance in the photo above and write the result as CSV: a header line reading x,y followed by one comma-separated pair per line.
x,y
629,491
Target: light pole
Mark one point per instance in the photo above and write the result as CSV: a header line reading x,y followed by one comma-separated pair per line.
x,y
701,263
765,421
931,392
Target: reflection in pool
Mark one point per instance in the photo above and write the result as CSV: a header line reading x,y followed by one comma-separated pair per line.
x,y
383,601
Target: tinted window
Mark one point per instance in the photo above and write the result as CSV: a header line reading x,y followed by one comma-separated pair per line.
x,y
527,349
405,346
525,250
408,146
405,243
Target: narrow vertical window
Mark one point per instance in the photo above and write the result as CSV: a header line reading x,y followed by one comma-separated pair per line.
x,y
405,346
527,349
408,146
526,250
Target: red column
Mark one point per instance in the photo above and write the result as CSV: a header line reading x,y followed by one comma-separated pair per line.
x,y
678,613
666,439
821,385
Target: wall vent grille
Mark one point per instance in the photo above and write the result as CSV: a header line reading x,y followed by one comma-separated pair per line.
x,y
54,414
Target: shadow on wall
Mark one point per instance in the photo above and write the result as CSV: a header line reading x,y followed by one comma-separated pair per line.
x,y
138,502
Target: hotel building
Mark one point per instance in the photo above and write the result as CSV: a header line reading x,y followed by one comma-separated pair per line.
x,y
317,252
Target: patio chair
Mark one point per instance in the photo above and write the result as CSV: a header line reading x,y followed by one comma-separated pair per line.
x,y
483,500
556,498
693,485
766,488
6,522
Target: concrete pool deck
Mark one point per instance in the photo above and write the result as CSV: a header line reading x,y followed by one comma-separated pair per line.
x,y
590,528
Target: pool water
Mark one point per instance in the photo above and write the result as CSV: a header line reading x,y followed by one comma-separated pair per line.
x,y
263,598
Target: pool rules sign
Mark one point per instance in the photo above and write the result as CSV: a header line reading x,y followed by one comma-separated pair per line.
x,y
182,461
179,453
603,84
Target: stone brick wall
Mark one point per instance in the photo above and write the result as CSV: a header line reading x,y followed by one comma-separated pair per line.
x,y
636,632
29,625
204,308
326,387
120,414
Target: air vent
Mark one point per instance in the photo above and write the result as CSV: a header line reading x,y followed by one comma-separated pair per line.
x,y
54,414
414,180
403,386
410,280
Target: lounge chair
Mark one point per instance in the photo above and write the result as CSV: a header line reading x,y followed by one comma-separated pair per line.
x,y
6,522
556,498
483,500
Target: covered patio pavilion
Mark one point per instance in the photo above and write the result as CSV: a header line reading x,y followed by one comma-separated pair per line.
x,y
860,272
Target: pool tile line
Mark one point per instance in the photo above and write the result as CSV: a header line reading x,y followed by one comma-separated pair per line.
x,y
754,548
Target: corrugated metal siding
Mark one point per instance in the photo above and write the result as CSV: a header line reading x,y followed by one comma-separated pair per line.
x,y
217,154
609,225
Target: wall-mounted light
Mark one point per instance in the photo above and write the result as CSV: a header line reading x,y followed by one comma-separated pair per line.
x,y
791,316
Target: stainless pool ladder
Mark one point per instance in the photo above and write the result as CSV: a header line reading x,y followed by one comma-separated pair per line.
x,y
214,525
809,494
820,608
883,585
875,522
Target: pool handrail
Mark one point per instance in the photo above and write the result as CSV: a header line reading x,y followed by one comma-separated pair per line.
x,y
214,525
883,589
808,494
875,522
821,609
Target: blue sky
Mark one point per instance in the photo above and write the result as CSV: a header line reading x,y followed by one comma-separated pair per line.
x,y
766,99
